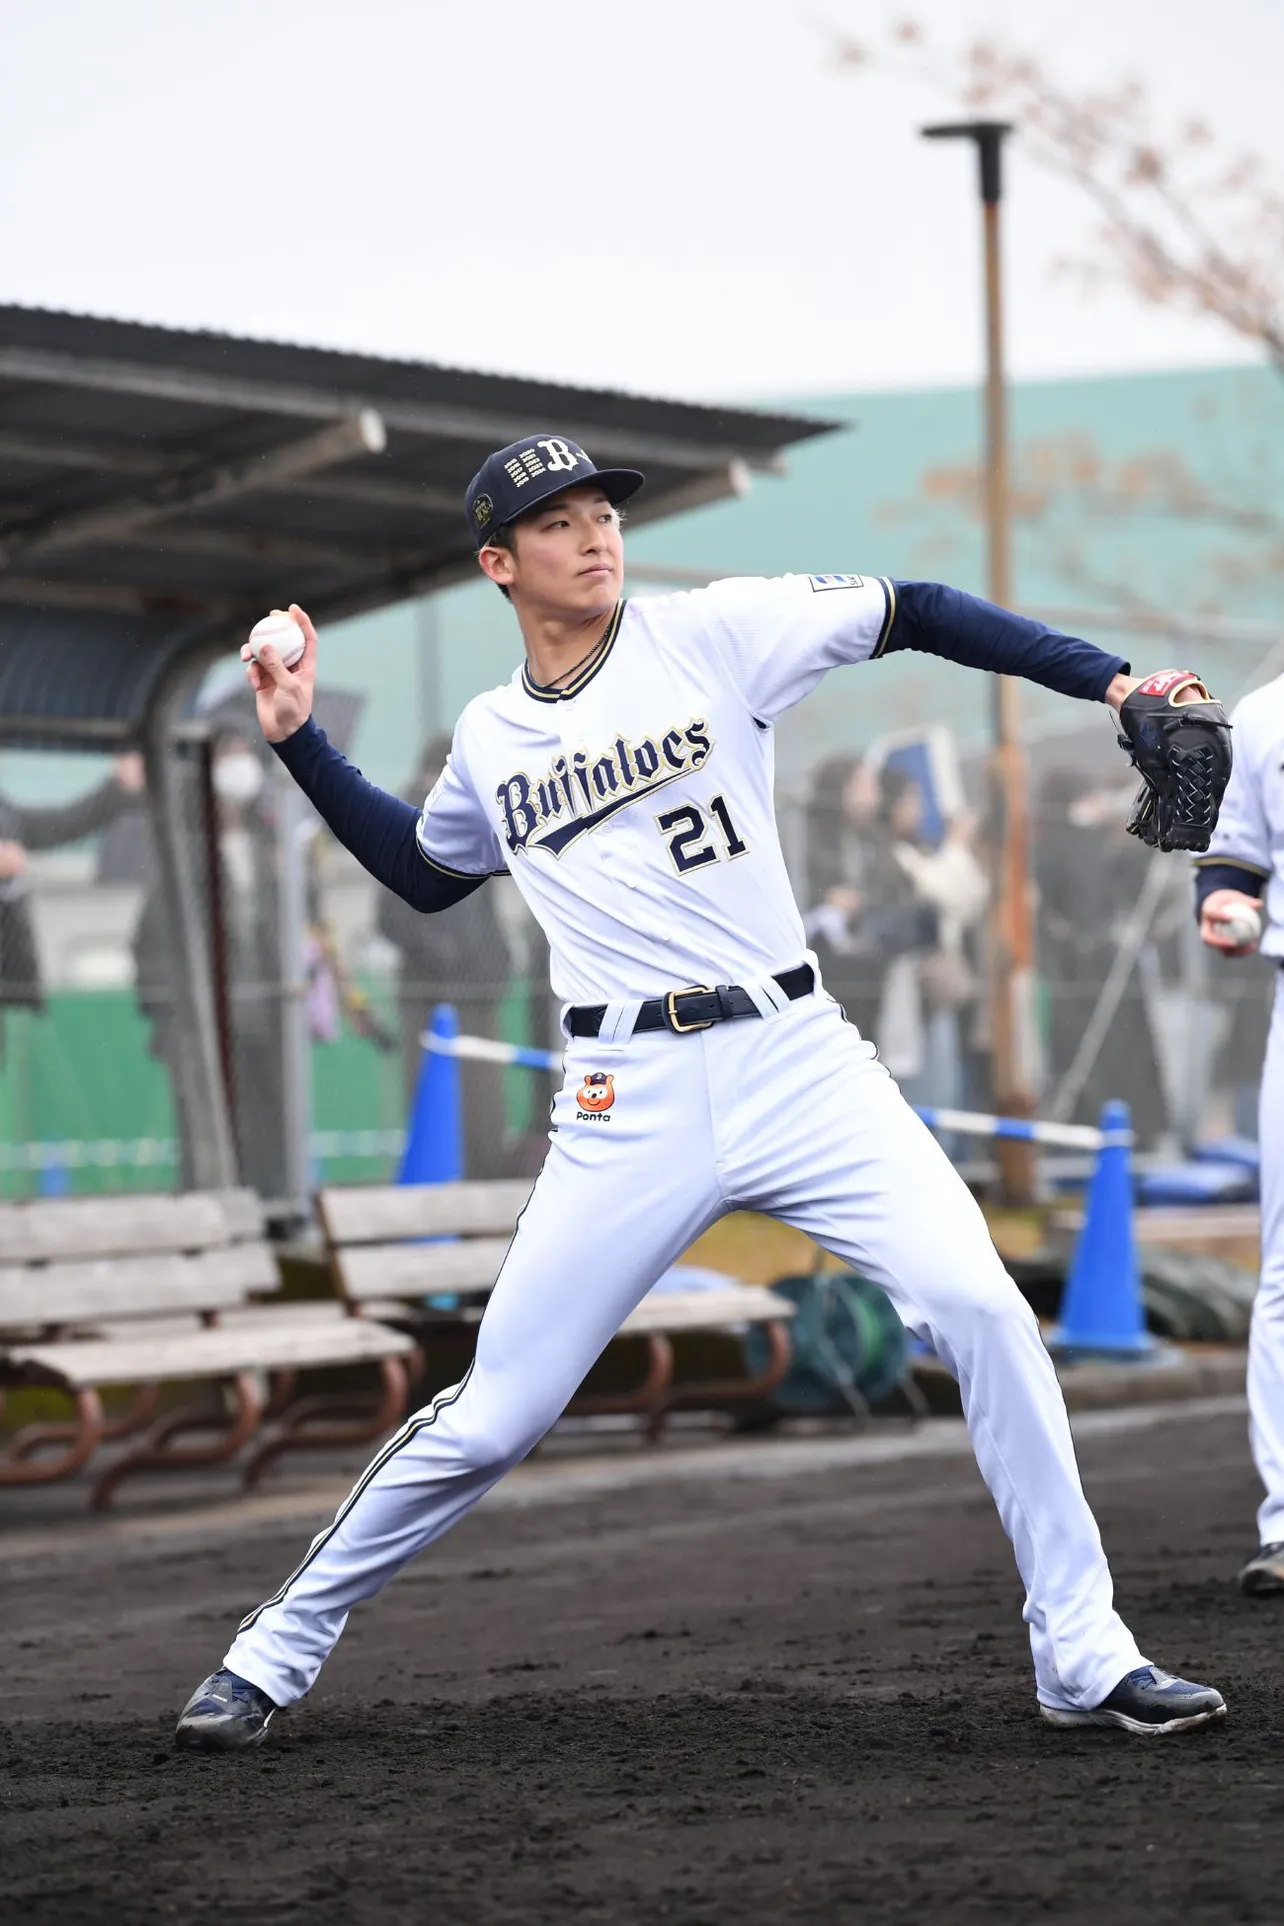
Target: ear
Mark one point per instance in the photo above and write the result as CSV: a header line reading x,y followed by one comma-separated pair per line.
x,y
497,565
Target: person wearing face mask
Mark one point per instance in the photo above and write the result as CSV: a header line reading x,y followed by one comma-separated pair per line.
x,y
238,774
27,829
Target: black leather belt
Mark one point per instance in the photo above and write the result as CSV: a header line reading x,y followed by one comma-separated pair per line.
x,y
698,1008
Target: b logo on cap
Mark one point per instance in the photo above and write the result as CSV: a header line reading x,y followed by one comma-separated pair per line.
x,y
560,454
483,509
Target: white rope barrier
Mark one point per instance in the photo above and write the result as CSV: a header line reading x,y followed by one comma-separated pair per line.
x,y
964,1123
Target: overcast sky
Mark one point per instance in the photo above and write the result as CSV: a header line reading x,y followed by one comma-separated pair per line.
x,y
674,196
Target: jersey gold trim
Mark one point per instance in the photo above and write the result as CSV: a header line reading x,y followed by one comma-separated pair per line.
x,y
538,694
885,633
1231,862
463,875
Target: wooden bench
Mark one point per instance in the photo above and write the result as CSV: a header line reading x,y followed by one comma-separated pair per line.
x,y
100,1294
385,1262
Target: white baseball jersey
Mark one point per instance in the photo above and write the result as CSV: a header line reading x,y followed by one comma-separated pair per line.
x,y
1250,827
634,807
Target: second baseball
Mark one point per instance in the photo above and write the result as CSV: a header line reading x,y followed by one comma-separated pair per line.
x,y
284,634
1241,928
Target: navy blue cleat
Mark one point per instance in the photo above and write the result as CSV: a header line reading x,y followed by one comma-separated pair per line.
x,y
1264,1572
1148,1702
225,1714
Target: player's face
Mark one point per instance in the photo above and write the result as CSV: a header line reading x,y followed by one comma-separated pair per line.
x,y
568,559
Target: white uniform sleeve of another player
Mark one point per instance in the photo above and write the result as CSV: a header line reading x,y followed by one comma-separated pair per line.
x,y
455,834
1243,835
778,635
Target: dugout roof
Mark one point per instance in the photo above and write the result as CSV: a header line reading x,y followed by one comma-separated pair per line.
x,y
159,490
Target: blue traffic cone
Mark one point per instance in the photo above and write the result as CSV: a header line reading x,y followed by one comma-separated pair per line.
x,y
55,1178
435,1130
1101,1310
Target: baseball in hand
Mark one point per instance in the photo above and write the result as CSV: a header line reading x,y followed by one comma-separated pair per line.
x,y
1241,927
284,634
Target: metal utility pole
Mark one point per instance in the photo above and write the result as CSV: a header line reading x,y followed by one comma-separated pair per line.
x,y
1011,911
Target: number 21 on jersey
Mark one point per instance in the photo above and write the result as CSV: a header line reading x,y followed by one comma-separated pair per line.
x,y
694,841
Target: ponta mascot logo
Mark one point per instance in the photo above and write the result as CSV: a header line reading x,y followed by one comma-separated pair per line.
x,y
596,1095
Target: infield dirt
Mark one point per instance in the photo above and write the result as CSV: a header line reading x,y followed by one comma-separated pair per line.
x,y
710,1699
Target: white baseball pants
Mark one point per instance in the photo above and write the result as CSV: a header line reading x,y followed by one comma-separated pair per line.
x,y
789,1114
1266,1337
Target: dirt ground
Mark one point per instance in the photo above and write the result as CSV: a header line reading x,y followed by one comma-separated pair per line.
x,y
796,1696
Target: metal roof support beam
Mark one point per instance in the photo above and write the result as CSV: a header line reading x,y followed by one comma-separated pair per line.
x,y
198,485
108,458
420,575
732,479
247,545
119,599
479,426
84,732
382,494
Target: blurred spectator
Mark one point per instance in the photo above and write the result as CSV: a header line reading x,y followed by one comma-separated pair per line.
x,y
27,828
845,922
939,894
844,803
460,957
891,919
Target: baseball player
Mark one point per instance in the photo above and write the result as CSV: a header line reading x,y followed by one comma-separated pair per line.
x,y
1244,865
623,778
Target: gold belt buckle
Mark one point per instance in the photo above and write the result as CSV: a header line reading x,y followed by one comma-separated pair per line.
x,y
671,1010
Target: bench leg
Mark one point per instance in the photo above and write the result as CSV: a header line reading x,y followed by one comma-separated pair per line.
x,y
33,1437
18,1466
282,1383
344,1422
651,1397
723,1390
156,1453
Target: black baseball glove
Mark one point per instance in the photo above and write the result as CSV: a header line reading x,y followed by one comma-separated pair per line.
x,y
1183,753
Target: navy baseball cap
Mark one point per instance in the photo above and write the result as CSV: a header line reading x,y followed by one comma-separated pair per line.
x,y
527,472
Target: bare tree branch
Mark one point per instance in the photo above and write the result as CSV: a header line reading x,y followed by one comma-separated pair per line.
x,y
1186,221
1065,494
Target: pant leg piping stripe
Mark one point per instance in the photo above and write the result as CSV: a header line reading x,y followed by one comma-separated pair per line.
x,y
410,1430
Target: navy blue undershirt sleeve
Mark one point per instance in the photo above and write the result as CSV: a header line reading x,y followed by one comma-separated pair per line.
x,y
936,620
378,828
1223,872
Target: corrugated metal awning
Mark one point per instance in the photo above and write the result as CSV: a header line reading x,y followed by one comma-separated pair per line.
x,y
159,490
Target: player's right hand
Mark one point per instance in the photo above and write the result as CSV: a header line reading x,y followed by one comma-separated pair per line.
x,y
283,697
1222,903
